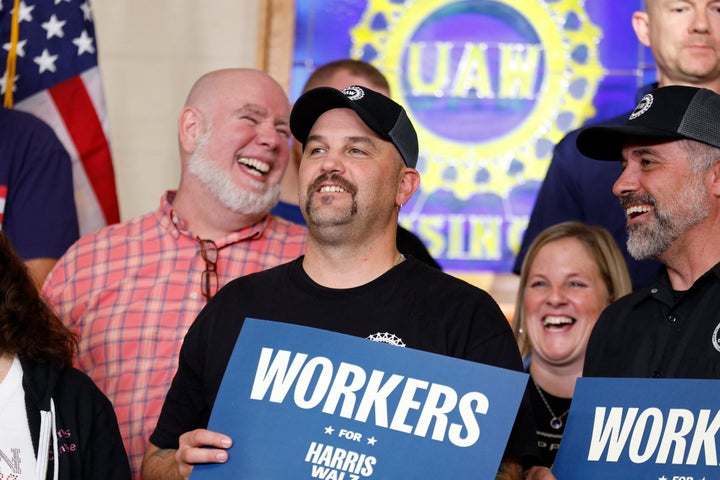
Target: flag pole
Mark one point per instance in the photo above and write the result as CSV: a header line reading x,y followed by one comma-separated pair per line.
x,y
11,63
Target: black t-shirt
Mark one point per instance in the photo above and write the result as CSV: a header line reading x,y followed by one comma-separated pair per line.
x,y
423,307
651,333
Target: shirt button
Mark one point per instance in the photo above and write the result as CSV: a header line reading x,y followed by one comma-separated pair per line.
x,y
672,318
654,290
193,295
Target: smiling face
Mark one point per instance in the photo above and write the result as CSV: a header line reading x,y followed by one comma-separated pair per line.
x,y
241,139
658,211
562,300
339,80
349,177
685,38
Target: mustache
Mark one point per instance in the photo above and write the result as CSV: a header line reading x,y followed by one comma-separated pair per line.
x,y
631,199
332,178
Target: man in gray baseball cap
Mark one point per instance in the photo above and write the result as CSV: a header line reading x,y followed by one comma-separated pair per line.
x,y
670,191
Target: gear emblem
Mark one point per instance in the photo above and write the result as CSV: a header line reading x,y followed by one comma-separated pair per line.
x,y
385,337
459,66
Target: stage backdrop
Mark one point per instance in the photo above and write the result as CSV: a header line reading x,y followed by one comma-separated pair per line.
x,y
491,86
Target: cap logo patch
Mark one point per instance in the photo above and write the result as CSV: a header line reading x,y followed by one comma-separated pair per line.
x,y
354,93
642,107
716,338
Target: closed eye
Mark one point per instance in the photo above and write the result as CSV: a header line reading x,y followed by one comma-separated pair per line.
x,y
283,131
250,119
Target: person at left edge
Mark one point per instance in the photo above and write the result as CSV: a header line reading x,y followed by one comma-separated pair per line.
x,y
54,422
358,167
37,204
132,290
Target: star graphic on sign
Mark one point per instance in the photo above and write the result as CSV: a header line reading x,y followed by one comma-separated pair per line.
x,y
25,14
371,440
663,478
85,7
84,43
46,61
329,430
20,49
54,27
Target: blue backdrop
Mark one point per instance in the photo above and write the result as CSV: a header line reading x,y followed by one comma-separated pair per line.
x,y
491,86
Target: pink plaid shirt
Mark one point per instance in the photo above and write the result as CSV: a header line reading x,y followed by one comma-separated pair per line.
x,y
132,290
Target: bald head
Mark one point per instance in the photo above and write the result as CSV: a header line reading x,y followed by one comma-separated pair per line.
x,y
213,87
343,73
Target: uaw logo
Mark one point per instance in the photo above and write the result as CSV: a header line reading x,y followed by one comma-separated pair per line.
x,y
491,86
642,107
354,93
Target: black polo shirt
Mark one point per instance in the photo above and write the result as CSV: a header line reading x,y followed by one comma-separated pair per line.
x,y
657,332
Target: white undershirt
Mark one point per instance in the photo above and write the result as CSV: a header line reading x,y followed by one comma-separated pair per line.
x,y
17,457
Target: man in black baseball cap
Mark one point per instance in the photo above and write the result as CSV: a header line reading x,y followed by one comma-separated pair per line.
x,y
359,150
357,169
665,120
375,128
670,191
340,74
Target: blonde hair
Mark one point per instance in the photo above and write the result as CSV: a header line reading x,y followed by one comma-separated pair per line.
x,y
600,245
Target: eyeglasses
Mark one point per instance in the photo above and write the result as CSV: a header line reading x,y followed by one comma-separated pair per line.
x,y
209,278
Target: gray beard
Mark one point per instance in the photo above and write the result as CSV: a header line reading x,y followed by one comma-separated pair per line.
x,y
221,186
654,237
649,241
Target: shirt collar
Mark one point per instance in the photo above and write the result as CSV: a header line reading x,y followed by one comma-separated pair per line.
x,y
662,290
173,222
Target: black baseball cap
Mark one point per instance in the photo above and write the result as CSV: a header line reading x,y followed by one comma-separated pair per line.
x,y
377,111
667,113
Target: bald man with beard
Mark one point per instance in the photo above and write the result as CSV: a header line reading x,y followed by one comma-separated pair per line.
x,y
132,290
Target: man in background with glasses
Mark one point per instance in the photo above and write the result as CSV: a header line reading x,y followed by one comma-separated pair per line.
x,y
131,290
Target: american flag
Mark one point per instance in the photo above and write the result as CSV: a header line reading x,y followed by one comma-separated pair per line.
x,y
56,78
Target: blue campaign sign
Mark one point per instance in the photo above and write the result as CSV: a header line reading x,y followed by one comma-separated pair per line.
x,y
306,403
638,428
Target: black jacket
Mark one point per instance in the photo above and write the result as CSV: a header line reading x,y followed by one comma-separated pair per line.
x,y
87,438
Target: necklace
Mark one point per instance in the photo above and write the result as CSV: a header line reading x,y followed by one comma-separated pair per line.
x,y
556,422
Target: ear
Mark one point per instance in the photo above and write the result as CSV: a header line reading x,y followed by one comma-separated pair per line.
x,y
189,128
714,179
409,183
641,25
